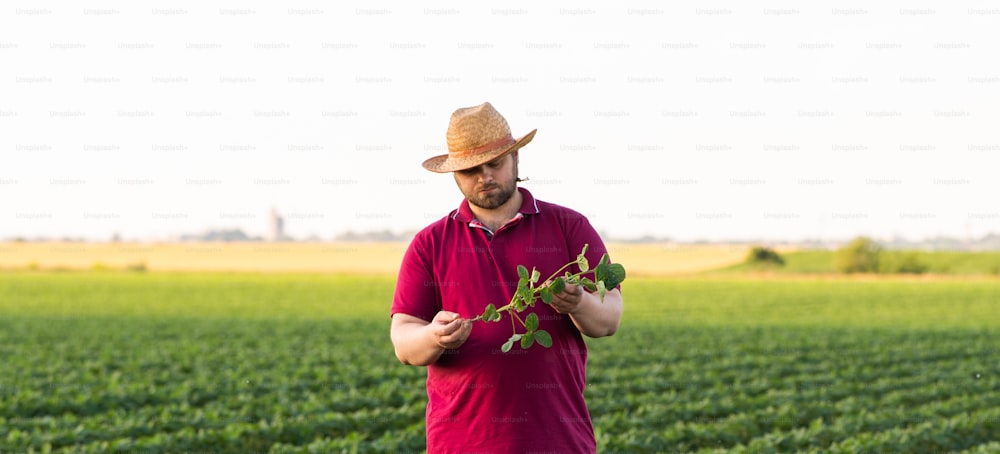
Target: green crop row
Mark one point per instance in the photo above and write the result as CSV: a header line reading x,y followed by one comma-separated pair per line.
x,y
157,363
832,386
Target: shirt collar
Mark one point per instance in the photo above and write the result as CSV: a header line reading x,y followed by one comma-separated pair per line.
x,y
528,206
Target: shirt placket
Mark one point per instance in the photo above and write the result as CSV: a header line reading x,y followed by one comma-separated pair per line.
x,y
490,234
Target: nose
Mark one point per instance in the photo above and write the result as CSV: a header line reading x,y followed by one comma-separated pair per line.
x,y
485,174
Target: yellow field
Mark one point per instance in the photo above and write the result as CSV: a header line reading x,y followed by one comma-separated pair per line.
x,y
362,258
673,259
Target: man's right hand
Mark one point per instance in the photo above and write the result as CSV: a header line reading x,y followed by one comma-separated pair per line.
x,y
450,330
419,343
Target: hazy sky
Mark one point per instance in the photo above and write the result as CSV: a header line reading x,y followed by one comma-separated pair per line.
x,y
687,120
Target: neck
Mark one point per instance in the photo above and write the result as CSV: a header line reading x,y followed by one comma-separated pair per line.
x,y
498,216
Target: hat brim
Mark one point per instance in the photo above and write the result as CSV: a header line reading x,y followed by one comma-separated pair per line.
x,y
445,163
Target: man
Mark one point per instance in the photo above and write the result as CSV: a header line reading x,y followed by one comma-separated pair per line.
x,y
481,399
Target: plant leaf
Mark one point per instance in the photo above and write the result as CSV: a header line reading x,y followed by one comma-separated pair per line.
x,y
558,285
601,272
535,276
543,338
581,261
531,322
510,343
522,297
546,294
523,289
614,275
588,284
527,340
522,272
605,259
601,290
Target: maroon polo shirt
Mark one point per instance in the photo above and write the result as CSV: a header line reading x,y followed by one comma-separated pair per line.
x,y
479,398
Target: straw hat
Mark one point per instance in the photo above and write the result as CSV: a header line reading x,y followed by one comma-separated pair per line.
x,y
476,135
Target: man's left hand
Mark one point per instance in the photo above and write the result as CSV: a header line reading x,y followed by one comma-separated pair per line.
x,y
568,300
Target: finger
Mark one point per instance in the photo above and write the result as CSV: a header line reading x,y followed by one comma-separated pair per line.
x,y
447,329
446,342
567,293
447,317
453,340
564,298
459,323
461,334
461,331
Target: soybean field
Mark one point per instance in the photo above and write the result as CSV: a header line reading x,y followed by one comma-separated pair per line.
x,y
164,362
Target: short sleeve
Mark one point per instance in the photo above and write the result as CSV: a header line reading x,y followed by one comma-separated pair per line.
x,y
415,293
580,232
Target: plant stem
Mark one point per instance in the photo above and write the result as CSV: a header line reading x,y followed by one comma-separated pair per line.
x,y
547,282
518,319
510,305
554,275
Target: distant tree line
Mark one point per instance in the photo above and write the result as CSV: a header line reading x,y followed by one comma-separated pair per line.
x,y
864,255
861,255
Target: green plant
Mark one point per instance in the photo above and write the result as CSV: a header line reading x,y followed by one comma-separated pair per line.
x,y
860,256
196,357
606,275
761,255
902,262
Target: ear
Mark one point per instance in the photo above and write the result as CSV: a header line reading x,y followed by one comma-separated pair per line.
x,y
517,170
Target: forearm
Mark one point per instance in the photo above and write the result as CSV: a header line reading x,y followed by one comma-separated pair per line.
x,y
415,344
598,319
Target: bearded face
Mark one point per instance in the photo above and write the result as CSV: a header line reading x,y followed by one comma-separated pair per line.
x,y
489,185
